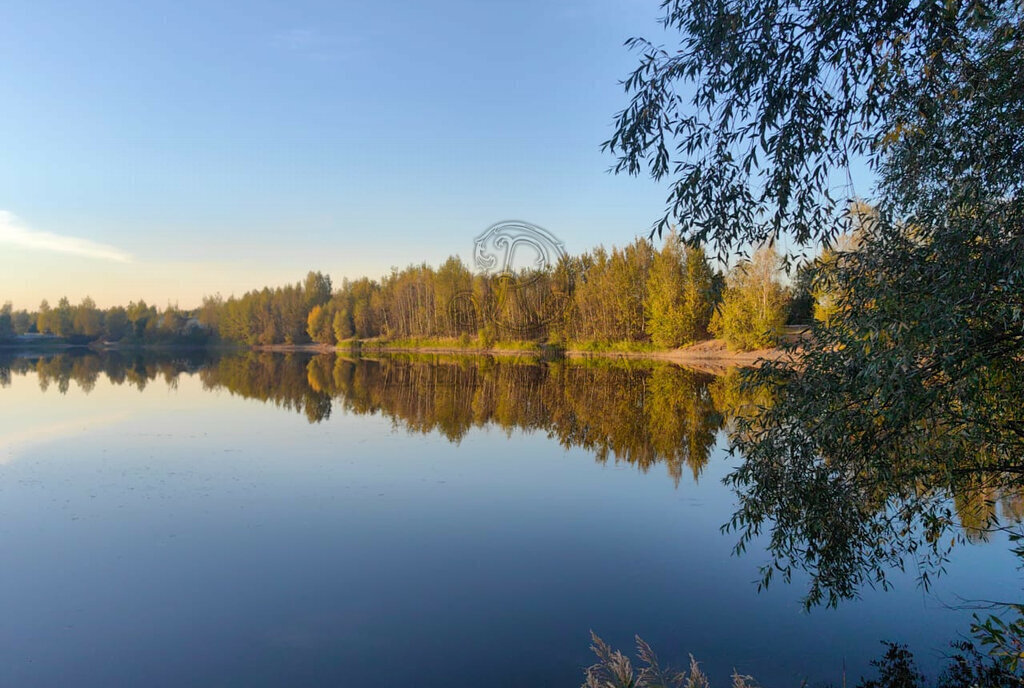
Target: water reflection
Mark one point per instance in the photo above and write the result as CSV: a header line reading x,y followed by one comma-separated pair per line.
x,y
84,368
643,413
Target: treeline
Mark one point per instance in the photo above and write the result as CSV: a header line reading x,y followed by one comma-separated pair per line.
x,y
631,297
84,323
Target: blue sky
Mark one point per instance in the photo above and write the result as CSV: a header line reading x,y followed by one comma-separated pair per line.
x,y
200,147
212,147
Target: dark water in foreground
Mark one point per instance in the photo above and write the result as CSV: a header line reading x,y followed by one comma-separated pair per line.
x,y
271,521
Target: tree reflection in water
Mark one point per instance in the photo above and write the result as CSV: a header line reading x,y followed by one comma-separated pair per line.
x,y
644,413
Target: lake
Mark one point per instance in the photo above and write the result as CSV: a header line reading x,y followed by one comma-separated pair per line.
x,y
268,520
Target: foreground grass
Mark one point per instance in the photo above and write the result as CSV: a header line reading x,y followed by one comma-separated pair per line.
x,y
966,668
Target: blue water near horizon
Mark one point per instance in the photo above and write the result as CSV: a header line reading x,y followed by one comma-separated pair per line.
x,y
181,535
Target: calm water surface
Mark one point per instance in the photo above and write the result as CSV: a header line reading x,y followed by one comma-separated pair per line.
x,y
271,520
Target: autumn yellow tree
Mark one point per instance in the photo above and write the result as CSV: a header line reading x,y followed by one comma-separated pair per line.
x,y
320,324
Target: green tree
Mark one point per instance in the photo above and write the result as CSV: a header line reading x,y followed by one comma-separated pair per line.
x,y
367,316
116,323
62,318
913,382
680,298
86,319
698,293
23,321
6,321
452,281
666,311
142,317
826,291
753,311
802,302
210,312
611,292
317,289
342,325
172,321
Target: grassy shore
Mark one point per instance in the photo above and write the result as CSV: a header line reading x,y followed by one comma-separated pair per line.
x,y
711,355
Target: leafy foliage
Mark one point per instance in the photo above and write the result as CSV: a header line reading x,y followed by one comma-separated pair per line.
x,y
6,321
910,394
83,323
754,307
910,388
628,297
679,297
895,670
763,105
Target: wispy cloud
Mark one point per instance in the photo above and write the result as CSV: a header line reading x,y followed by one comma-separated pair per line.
x,y
14,233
